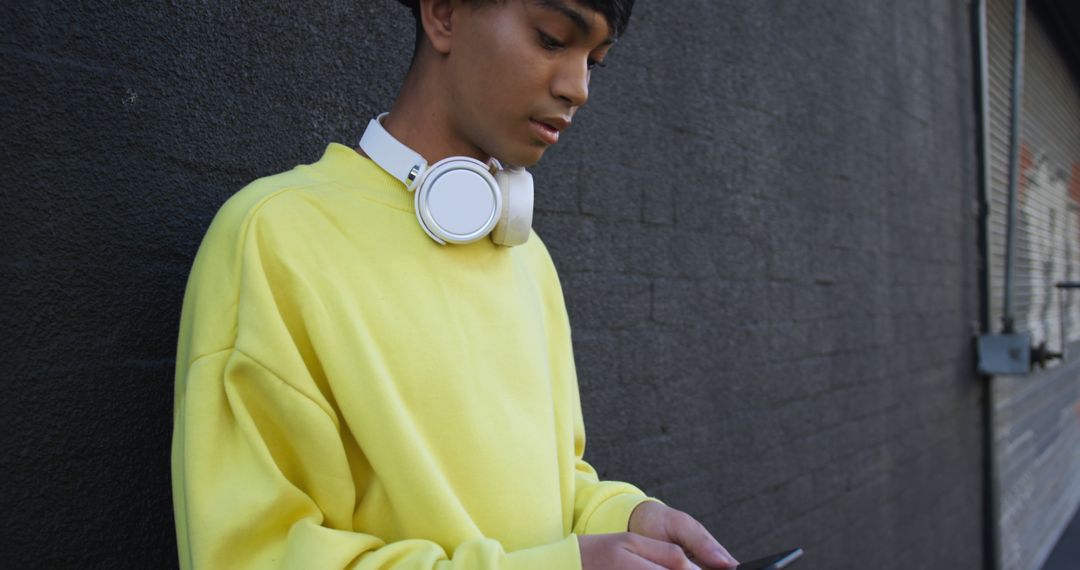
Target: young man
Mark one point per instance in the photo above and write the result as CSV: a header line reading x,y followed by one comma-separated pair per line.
x,y
351,393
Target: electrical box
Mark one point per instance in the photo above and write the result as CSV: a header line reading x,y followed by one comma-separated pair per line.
x,y
1005,353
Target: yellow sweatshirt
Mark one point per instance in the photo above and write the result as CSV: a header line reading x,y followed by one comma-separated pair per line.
x,y
350,394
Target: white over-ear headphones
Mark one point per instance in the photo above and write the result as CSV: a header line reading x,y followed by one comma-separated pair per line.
x,y
458,199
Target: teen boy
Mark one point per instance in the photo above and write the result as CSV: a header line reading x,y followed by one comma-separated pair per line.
x,y
352,394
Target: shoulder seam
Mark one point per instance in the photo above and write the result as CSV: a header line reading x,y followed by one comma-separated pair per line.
x,y
245,226
329,413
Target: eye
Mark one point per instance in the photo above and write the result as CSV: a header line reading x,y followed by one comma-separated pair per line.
x,y
549,42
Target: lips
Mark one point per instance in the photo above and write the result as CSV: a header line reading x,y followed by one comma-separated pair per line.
x,y
548,129
544,131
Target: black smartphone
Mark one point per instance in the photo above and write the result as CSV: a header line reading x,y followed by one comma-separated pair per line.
x,y
774,562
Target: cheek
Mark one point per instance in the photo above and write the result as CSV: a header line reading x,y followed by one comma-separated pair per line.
x,y
502,74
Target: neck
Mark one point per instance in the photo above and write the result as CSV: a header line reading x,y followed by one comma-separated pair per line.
x,y
420,117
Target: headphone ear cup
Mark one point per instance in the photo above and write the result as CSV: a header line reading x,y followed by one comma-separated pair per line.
x,y
515,220
458,201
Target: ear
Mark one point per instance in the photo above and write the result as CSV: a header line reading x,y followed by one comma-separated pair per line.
x,y
437,18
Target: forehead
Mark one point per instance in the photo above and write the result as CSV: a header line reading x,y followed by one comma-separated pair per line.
x,y
583,18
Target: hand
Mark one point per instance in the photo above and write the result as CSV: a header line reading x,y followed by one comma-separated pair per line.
x,y
661,522
629,551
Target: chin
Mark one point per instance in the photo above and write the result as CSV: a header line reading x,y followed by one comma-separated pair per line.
x,y
524,159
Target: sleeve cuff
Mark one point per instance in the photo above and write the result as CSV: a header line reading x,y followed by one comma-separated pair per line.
x,y
613,515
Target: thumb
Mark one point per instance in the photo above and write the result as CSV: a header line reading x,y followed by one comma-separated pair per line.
x,y
696,539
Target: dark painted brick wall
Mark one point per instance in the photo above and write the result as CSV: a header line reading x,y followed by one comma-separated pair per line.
x,y
762,219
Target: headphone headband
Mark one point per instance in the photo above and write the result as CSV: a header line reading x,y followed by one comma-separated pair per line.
x,y
392,155
459,199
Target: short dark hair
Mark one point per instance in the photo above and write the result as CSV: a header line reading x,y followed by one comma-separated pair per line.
x,y
616,12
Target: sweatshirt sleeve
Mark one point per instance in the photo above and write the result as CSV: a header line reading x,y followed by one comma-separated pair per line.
x,y
266,484
261,477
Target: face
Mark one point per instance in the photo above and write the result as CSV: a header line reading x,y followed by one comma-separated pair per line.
x,y
514,65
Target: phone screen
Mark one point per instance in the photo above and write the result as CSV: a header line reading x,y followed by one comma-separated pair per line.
x,y
773,562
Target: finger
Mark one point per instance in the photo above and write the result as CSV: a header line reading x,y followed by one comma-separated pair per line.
x,y
668,555
697,540
644,563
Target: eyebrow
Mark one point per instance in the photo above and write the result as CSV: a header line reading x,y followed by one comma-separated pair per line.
x,y
575,17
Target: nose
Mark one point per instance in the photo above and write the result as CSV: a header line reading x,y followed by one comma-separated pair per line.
x,y
572,82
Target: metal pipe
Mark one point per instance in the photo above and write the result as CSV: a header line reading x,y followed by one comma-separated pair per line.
x,y
991,499
1014,155
983,71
